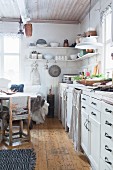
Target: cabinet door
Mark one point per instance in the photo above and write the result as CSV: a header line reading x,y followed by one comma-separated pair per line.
x,y
84,132
69,108
94,142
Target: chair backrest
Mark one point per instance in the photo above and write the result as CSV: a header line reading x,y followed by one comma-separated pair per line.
x,y
4,84
18,103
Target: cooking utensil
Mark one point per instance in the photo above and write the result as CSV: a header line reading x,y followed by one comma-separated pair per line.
x,y
54,70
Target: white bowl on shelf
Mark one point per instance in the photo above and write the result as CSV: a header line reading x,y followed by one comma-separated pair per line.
x,y
54,44
48,56
73,56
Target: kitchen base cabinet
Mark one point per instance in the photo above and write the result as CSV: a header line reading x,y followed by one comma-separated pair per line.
x,y
62,103
84,132
90,130
84,123
107,135
94,136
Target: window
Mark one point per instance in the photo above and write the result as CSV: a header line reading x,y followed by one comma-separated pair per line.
x,y
10,57
106,34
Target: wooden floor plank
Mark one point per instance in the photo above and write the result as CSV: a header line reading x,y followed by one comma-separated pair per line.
x,y
53,148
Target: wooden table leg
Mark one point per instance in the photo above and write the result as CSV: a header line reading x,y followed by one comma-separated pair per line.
x,y
10,122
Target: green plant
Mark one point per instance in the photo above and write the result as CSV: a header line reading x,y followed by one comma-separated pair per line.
x,y
77,78
98,76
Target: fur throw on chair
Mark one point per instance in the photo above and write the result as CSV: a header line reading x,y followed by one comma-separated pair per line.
x,y
5,117
39,109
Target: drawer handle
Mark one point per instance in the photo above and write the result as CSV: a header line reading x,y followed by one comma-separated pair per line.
x,y
87,124
94,103
93,113
83,99
107,110
107,148
83,107
106,135
107,123
107,161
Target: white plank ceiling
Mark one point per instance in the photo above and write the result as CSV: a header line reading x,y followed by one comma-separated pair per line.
x,y
56,11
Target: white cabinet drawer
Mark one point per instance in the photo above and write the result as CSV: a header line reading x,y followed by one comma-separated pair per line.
x,y
107,149
85,98
108,159
106,135
107,109
93,113
95,103
85,108
107,123
103,166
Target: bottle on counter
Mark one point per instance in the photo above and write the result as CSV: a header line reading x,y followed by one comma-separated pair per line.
x,y
112,77
83,75
50,91
69,81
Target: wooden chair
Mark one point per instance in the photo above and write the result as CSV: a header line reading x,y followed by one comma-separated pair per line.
x,y
4,84
19,111
3,87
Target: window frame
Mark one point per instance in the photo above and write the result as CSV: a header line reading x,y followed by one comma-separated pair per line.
x,y
105,43
2,54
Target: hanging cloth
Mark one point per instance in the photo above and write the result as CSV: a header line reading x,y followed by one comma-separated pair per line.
x,y
75,127
64,109
35,76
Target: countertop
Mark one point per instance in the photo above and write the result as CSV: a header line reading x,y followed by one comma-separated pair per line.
x,y
103,95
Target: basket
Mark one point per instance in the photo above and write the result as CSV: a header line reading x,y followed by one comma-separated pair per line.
x,y
91,33
91,82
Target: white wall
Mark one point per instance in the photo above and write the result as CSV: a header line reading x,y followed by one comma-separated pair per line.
x,y
54,32
51,33
57,33
94,23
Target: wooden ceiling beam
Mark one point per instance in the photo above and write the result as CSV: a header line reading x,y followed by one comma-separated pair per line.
x,y
54,21
40,21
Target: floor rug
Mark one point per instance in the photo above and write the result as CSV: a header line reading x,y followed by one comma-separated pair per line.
x,y
21,159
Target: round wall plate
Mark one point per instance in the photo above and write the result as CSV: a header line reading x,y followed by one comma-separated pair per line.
x,y
54,70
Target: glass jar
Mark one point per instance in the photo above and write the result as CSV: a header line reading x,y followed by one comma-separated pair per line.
x,y
66,44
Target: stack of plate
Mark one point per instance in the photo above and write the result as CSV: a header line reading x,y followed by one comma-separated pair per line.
x,y
41,43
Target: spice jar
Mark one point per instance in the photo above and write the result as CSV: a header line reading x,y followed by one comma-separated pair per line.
x,y
66,44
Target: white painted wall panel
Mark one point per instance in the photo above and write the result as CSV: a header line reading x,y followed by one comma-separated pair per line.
x,y
94,23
